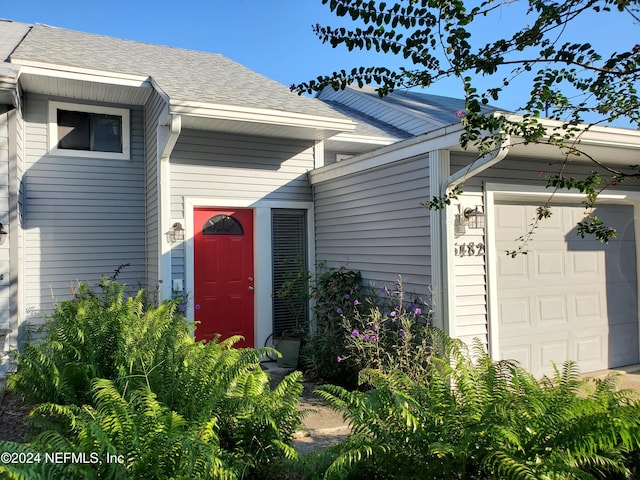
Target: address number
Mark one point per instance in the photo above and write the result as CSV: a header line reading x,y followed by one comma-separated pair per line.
x,y
469,249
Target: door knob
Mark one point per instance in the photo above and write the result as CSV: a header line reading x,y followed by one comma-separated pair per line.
x,y
250,288
250,279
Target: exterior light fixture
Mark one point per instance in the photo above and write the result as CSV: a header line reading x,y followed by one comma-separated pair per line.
x,y
474,217
176,234
3,234
459,228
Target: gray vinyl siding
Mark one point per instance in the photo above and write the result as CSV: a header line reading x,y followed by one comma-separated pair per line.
x,y
225,167
5,295
153,110
373,222
83,216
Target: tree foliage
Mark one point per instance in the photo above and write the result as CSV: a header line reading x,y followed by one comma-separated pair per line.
x,y
565,80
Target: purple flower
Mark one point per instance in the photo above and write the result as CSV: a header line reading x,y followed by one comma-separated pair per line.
x,y
460,114
403,334
418,311
339,359
373,338
392,314
375,328
411,307
347,296
356,302
355,333
339,310
365,336
183,308
542,174
612,229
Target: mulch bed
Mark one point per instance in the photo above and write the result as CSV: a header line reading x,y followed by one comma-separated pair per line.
x,y
13,417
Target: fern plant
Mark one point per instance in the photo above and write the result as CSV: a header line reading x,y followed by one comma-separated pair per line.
x,y
480,419
79,342
148,356
135,438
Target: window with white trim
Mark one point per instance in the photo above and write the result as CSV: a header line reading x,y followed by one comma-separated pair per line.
x,y
88,131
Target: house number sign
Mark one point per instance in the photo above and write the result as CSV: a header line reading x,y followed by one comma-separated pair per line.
x,y
469,249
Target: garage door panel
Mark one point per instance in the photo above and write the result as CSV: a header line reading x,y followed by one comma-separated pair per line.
x,y
519,353
590,349
549,264
515,312
568,298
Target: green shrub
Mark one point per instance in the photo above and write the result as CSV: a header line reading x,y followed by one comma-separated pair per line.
x,y
82,340
149,359
336,293
484,420
393,334
145,438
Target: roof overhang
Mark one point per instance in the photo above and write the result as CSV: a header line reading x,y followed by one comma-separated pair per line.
x,y
257,121
111,87
442,138
8,93
610,145
82,84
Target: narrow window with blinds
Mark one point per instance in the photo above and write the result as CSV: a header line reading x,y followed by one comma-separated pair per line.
x,y
290,267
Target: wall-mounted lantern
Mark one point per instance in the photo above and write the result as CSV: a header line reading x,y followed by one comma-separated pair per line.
x,y
176,234
3,234
473,218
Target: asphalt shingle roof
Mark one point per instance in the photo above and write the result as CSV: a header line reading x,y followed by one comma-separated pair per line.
x,y
10,35
184,75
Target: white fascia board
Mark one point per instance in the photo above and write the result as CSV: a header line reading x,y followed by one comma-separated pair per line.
x,y
511,191
260,115
82,74
352,138
442,139
599,135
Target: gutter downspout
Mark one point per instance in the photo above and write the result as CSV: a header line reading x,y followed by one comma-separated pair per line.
x,y
168,131
446,252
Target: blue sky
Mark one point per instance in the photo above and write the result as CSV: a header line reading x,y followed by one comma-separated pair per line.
x,y
272,37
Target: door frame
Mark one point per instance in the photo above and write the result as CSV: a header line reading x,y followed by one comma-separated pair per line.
x,y
495,192
262,253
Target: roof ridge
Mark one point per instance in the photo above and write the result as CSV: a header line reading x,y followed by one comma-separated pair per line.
x,y
127,40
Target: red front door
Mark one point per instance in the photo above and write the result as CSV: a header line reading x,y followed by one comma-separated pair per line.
x,y
223,273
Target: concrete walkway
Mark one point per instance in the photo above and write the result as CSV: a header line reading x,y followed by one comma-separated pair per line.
x,y
324,427
629,376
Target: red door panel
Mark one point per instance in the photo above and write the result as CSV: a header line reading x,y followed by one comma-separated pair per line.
x,y
223,273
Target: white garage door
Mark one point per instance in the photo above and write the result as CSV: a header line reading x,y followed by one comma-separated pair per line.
x,y
568,298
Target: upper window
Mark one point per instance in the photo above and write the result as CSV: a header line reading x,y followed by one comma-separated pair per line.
x,y
88,131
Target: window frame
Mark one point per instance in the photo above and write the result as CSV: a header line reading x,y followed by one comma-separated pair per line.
x,y
123,113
